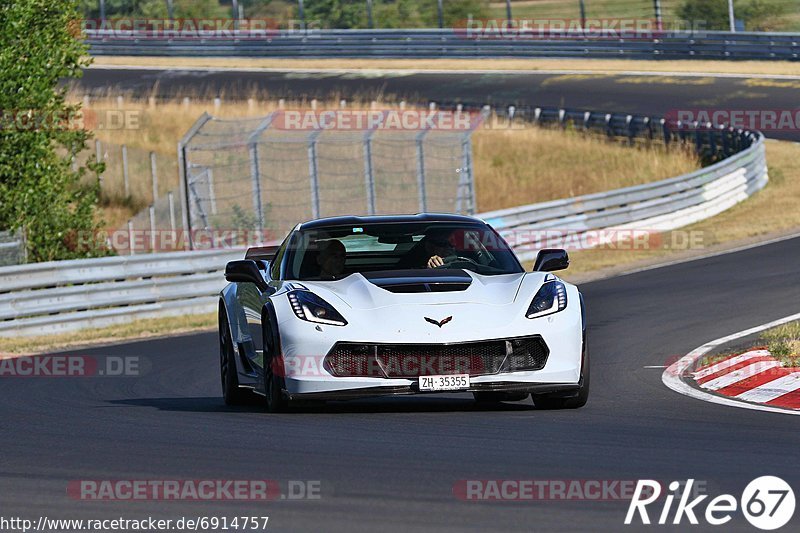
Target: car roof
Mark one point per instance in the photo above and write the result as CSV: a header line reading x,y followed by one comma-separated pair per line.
x,y
386,219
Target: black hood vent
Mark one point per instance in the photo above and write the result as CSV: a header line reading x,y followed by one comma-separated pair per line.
x,y
420,280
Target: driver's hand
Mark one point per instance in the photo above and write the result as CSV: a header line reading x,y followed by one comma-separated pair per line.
x,y
435,261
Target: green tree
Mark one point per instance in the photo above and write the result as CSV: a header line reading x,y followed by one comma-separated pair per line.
x,y
40,44
156,9
758,15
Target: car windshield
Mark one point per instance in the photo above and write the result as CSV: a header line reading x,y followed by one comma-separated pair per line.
x,y
335,252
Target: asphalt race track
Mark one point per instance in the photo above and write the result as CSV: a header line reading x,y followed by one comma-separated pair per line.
x,y
391,464
636,94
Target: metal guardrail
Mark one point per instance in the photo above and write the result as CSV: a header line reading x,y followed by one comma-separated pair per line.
x,y
12,248
657,206
68,295
452,43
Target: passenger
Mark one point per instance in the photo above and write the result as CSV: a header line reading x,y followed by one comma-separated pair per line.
x,y
331,259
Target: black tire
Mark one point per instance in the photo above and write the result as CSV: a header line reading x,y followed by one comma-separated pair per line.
x,y
231,393
576,401
275,401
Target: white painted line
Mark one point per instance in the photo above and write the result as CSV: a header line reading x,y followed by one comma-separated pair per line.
x,y
655,366
727,363
739,375
774,389
411,71
673,377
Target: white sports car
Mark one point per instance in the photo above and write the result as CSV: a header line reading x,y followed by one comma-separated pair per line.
x,y
351,307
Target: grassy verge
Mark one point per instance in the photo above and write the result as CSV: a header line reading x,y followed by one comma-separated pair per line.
x,y
783,343
770,212
787,68
151,327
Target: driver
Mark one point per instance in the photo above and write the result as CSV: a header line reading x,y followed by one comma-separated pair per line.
x,y
431,252
331,259
438,247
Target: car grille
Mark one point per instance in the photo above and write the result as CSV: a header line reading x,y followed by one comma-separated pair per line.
x,y
349,359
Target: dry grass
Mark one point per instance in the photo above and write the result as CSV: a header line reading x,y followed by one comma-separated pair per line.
x,y
152,327
781,68
771,211
783,343
516,167
512,166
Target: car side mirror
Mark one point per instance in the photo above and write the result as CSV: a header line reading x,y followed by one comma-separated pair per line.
x,y
245,270
550,260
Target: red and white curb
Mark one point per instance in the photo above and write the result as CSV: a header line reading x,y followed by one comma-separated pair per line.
x,y
754,376
752,380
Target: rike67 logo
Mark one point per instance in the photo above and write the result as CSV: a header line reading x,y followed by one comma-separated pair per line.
x,y
767,503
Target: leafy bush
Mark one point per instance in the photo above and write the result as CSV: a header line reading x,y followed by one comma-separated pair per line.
x,y
758,15
39,45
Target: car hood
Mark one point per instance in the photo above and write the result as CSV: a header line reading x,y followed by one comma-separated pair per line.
x,y
358,292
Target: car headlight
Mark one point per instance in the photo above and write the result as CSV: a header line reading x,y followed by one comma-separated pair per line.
x,y
551,298
308,306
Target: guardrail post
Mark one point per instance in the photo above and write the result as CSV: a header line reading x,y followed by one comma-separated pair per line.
x,y
152,229
98,151
302,14
125,179
698,143
255,170
369,176
726,140
440,13
370,21
130,238
423,197
212,196
313,173
629,128
183,176
171,202
466,168
255,178
154,175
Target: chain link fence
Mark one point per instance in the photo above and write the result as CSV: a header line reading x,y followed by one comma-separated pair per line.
x,y
260,175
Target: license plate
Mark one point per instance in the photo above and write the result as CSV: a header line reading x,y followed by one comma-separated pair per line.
x,y
451,382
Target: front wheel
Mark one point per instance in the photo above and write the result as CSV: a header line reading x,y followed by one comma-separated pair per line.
x,y
273,392
273,377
